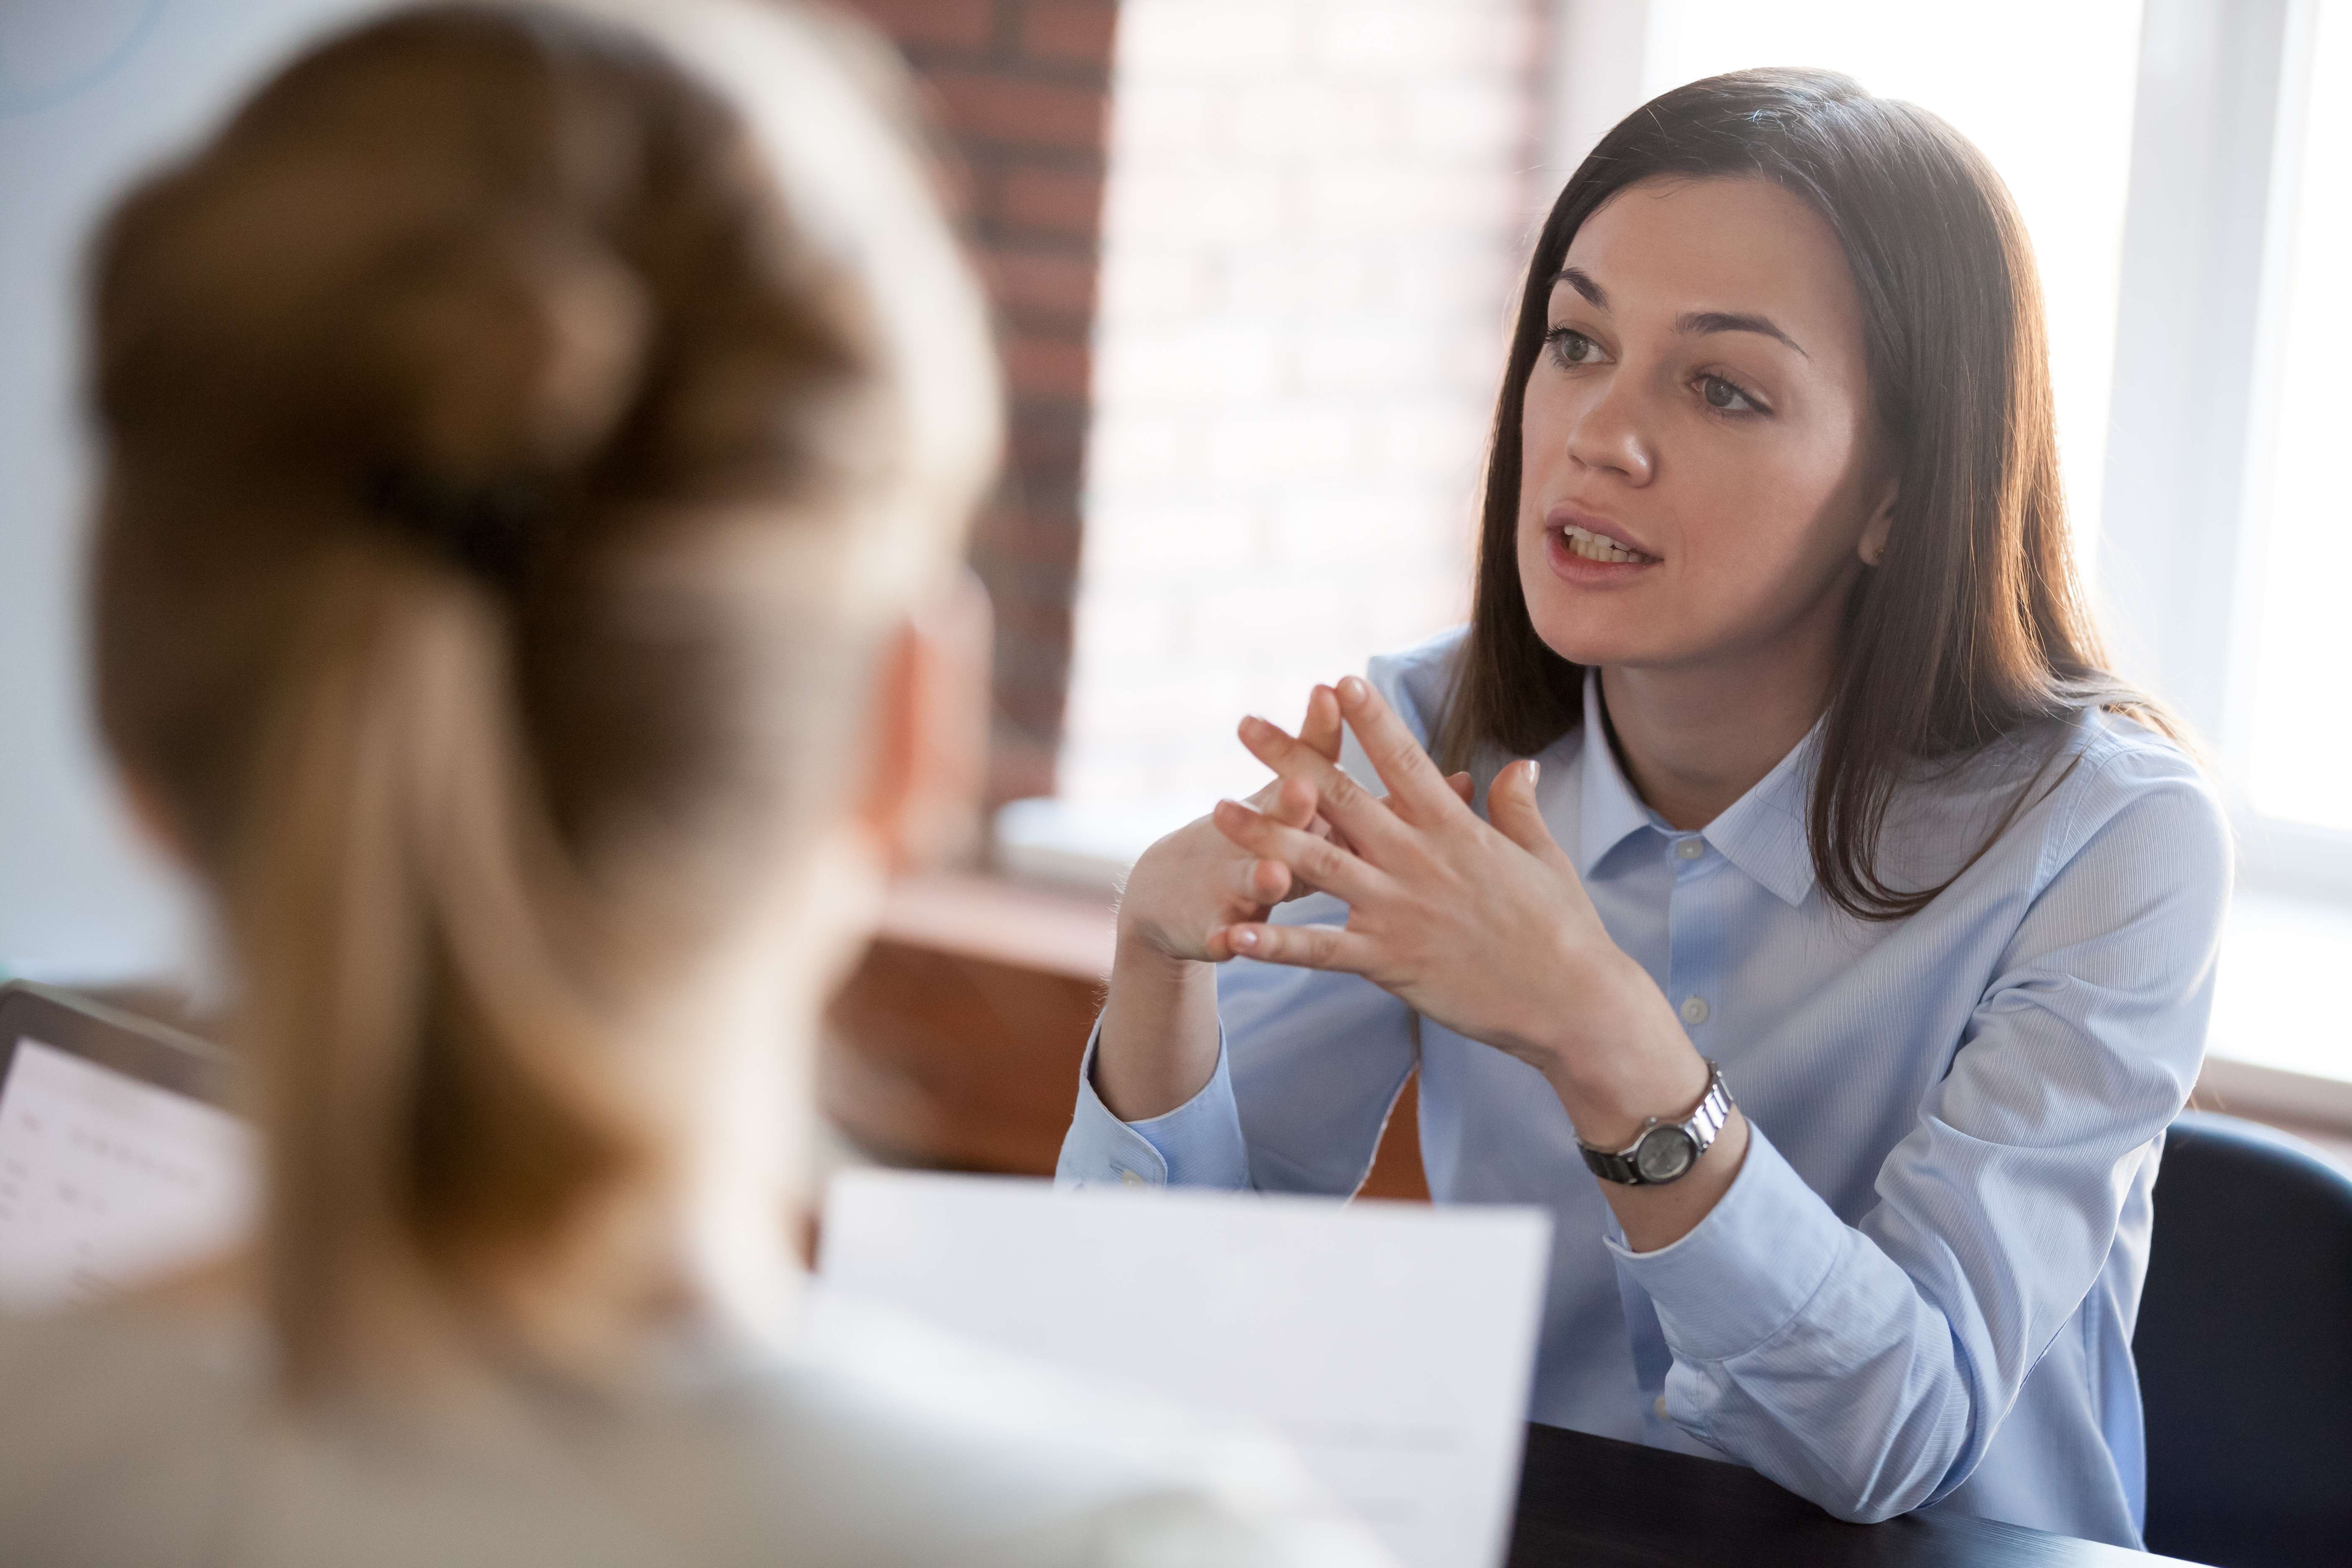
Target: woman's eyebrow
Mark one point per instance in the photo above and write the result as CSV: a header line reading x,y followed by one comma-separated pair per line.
x,y
1698,321
1582,281
1690,322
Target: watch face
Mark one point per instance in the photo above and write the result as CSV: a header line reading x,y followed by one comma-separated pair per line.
x,y
1663,1153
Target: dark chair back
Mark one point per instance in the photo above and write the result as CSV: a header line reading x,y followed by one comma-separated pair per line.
x,y
2245,1346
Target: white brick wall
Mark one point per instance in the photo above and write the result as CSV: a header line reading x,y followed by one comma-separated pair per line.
x,y
1316,212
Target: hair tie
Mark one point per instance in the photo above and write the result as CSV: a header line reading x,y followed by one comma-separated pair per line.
x,y
486,530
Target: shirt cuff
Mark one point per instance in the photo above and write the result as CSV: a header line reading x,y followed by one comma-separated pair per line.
x,y
1743,1274
1197,1144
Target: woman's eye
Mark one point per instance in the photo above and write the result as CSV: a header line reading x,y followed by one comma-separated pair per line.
x,y
1721,394
1572,347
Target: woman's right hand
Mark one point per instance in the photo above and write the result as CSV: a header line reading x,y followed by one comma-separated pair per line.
x,y
1195,881
1159,1033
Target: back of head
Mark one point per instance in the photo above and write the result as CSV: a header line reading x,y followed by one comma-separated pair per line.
x,y
521,427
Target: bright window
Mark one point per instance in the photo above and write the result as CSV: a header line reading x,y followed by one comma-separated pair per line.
x,y
2296,762
2044,89
1313,220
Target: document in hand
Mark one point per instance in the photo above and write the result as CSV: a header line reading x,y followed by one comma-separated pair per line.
x,y
1392,1343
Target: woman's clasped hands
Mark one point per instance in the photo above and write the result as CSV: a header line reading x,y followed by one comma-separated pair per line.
x,y
1481,925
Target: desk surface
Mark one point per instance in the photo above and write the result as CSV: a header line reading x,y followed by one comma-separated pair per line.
x,y
1599,1503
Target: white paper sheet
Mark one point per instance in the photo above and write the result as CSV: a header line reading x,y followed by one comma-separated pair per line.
x,y
1391,1342
105,1181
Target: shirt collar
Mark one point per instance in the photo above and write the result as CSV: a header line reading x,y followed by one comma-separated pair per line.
x,y
1762,832
1610,812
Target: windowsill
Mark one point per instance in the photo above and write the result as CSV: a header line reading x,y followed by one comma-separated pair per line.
x,y
2318,1109
2275,1005
2280,1050
1082,844
1065,930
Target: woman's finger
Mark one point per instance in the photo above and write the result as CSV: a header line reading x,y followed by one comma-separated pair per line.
x,y
1295,803
1315,859
1348,806
1321,728
1414,783
1263,882
1462,785
1511,807
1302,947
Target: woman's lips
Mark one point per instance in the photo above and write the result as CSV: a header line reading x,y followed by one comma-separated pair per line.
x,y
1586,556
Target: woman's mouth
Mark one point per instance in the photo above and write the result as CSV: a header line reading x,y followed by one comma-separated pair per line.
x,y
1590,546
1590,559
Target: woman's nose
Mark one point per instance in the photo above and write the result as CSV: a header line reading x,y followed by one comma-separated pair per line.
x,y
1609,436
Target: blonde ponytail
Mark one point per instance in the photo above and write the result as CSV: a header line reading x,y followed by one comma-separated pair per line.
x,y
421,1054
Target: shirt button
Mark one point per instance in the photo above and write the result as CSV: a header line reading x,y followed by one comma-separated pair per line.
x,y
1659,1404
1130,1179
1695,1009
1690,849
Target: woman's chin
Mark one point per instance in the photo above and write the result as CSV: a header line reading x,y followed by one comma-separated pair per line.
x,y
1580,636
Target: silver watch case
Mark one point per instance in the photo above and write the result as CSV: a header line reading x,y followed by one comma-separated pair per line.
x,y
1665,1150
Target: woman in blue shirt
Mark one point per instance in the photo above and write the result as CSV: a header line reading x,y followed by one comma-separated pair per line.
x,y
1836,942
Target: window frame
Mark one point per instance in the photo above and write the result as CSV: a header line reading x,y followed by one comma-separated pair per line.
x,y
2218,121
2218,124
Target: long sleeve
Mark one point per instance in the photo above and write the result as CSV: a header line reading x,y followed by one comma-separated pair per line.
x,y
1307,1067
1868,1366
1308,1063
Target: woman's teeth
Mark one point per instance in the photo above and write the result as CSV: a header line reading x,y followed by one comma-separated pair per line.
x,y
1598,547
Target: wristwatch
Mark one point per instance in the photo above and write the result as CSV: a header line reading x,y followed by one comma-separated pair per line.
x,y
1665,1149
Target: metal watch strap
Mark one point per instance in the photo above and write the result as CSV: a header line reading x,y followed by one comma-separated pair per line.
x,y
1700,1129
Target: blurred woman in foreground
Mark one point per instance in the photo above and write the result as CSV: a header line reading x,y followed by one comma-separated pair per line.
x,y
536,452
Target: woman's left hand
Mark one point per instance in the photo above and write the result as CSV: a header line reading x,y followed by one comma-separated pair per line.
x,y
1483,926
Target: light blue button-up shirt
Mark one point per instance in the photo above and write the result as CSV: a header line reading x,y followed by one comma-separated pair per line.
x,y
1920,1288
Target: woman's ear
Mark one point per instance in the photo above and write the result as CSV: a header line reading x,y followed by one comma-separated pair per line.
x,y
1873,544
928,754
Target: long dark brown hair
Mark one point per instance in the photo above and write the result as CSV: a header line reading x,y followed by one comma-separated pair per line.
x,y
1974,626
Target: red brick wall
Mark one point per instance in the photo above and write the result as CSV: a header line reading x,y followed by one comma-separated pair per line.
x,y
1311,245
1021,90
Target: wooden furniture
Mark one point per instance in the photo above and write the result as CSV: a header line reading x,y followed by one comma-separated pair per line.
x,y
957,1044
1595,1502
